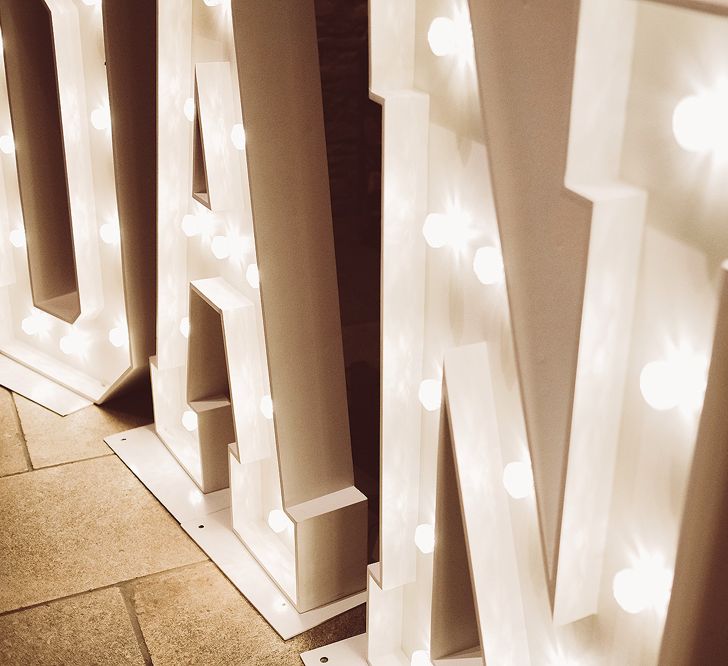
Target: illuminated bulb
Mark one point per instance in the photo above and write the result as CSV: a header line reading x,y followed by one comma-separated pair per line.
x,y
71,343
266,407
420,658
101,118
35,323
118,336
189,420
110,233
699,122
191,225
680,381
91,3
184,327
220,247
488,265
237,136
430,394
278,521
442,36
647,585
7,145
518,479
17,238
253,276
189,109
435,230
425,538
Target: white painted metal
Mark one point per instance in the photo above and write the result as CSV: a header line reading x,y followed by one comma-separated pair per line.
x,y
349,652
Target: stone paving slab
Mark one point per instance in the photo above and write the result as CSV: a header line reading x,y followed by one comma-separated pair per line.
x,y
195,616
12,453
81,526
52,439
92,628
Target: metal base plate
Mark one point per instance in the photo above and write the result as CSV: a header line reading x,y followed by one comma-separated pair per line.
x,y
350,652
40,389
206,518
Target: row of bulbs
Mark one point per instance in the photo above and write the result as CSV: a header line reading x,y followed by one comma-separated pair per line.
x,y
75,341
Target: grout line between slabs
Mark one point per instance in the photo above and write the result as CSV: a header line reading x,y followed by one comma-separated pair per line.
x,y
23,439
118,584
128,595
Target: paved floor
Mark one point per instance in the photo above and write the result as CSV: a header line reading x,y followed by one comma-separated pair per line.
x,y
93,570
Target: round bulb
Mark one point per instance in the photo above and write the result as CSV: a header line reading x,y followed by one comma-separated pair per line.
x,y
266,407
278,521
237,136
699,122
189,420
253,276
435,230
425,538
184,327
647,585
518,479
442,36
17,238
190,225
118,336
220,247
101,118
71,343
110,233
680,381
430,394
420,658
189,109
488,265
30,325
7,145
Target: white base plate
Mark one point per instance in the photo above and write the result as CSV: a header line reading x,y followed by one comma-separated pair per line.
x,y
350,652
150,461
40,389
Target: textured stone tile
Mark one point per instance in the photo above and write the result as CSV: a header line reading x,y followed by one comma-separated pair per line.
x,y
76,527
196,616
12,454
53,439
92,628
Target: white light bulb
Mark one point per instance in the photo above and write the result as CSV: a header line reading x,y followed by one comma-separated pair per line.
x,y
7,144
435,230
442,36
237,136
518,479
17,238
679,381
189,109
699,122
118,336
425,538
110,233
488,265
266,407
253,276
430,394
420,658
220,247
34,323
647,585
278,521
191,225
184,327
101,118
72,342
189,420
